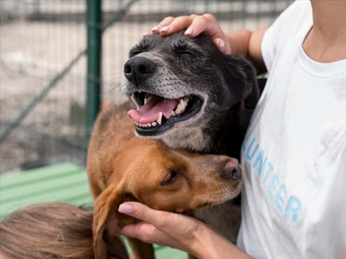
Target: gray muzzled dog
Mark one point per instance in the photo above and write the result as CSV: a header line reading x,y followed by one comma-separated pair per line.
x,y
189,94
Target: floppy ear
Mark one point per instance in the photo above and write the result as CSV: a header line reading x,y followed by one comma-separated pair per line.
x,y
252,90
107,218
242,68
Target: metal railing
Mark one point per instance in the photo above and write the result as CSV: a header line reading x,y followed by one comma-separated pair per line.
x,y
57,24
93,51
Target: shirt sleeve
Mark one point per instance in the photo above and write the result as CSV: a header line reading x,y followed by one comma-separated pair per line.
x,y
279,31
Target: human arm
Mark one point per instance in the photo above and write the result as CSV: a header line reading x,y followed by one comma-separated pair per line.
x,y
177,231
243,41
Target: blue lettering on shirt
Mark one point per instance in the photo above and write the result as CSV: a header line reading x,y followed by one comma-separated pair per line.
x,y
294,206
279,199
271,187
288,205
269,171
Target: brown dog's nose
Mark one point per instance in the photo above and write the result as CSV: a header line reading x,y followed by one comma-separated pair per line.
x,y
232,170
137,69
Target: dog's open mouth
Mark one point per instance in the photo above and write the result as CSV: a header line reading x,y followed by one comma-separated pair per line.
x,y
156,114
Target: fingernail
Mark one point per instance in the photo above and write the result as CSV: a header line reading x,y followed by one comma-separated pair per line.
x,y
164,29
124,208
146,34
221,44
189,31
155,29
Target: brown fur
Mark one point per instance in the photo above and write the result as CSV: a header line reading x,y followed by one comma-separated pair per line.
x,y
122,167
55,231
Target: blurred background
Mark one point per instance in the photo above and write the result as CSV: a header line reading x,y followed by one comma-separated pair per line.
x,y
59,59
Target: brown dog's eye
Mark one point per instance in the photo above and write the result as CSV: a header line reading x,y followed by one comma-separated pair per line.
x,y
170,178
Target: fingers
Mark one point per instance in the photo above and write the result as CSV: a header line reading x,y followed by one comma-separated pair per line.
x,y
143,213
164,23
162,228
207,24
156,30
153,226
143,231
223,46
170,25
194,25
162,220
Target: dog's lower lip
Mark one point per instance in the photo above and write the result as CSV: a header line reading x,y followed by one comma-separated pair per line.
x,y
204,205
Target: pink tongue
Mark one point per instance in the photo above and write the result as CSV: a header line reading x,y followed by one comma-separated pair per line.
x,y
150,111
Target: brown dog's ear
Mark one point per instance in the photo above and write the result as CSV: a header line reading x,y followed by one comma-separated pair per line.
x,y
107,218
102,210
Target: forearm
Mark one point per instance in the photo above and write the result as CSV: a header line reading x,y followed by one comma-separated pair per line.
x,y
248,43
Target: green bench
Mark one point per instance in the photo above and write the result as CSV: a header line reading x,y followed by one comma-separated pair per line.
x,y
64,182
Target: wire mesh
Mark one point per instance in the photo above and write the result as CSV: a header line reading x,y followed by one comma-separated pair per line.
x,y
38,38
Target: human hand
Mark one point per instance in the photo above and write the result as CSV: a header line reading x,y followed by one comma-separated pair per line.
x,y
177,231
194,25
164,228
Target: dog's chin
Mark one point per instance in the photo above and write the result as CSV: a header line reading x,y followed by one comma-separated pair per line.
x,y
167,125
211,204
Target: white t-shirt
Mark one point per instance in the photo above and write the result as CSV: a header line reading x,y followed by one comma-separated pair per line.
x,y
294,153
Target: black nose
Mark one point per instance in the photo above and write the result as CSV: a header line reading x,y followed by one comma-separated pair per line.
x,y
232,170
137,69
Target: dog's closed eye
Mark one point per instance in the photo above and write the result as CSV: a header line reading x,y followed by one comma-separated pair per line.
x,y
185,55
182,51
170,178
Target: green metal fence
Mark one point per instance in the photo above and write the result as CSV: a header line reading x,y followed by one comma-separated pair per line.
x,y
61,58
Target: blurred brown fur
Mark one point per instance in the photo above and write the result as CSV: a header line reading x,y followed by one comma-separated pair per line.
x,y
55,231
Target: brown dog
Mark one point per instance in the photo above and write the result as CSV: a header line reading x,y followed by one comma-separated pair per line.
x,y
122,167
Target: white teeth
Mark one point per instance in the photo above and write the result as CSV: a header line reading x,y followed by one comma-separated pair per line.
x,y
181,106
146,99
159,119
153,124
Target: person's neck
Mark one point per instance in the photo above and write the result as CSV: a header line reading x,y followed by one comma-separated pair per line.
x,y
326,42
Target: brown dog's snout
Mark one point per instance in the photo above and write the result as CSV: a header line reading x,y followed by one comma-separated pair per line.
x,y
232,170
137,69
